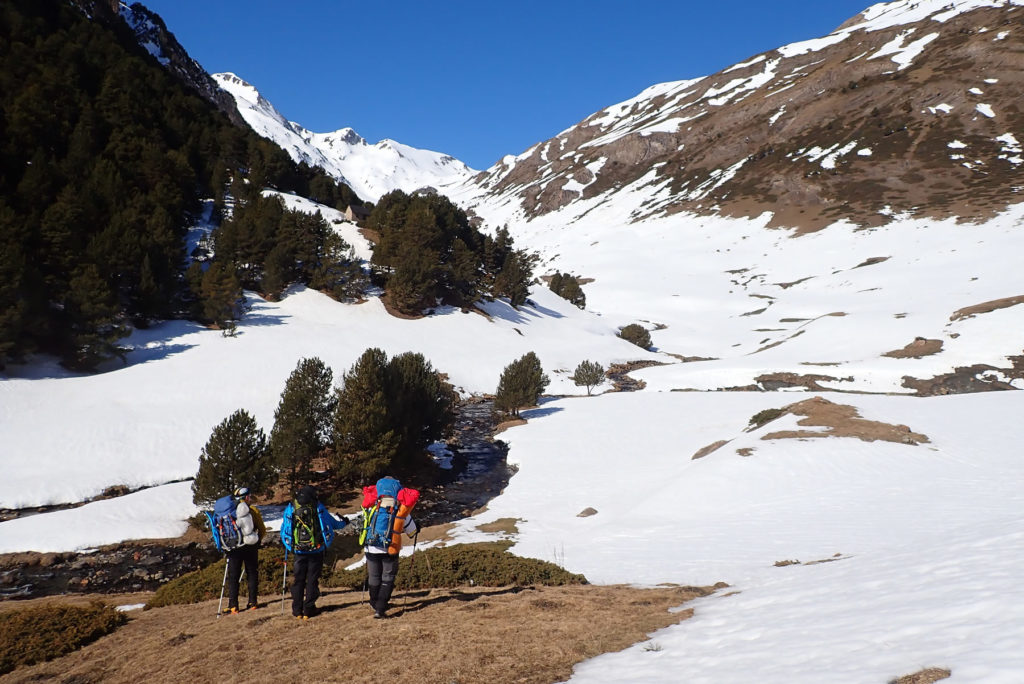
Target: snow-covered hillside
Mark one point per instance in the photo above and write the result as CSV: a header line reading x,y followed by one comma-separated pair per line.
x,y
370,170
869,531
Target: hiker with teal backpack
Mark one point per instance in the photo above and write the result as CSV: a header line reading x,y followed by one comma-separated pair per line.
x,y
387,508
307,530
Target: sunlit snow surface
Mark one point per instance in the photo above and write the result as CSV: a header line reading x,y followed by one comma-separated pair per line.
x,y
924,542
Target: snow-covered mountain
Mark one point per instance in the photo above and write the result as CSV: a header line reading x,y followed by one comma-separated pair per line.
x,y
912,106
370,170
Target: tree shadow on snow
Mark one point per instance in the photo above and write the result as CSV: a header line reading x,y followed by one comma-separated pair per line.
x,y
541,411
500,308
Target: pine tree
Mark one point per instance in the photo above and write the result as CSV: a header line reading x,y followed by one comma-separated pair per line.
x,y
421,404
365,442
388,412
235,456
588,374
222,297
513,281
95,320
521,384
302,421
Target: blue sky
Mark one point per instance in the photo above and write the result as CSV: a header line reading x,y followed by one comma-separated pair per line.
x,y
478,79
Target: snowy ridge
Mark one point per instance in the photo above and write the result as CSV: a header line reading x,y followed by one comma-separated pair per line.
x,y
370,170
702,136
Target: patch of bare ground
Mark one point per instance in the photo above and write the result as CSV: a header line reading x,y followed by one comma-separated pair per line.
x,y
530,635
786,563
871,261
986,307
842,420
704,451
690,359
506,424
928,676
776,381
917,349
618,374
968,379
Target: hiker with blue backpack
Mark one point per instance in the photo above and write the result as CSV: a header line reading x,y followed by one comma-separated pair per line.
x,y
244,550
387,508
307,530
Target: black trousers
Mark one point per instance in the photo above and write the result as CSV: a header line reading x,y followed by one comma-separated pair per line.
x,y
306,583
381,570
247,555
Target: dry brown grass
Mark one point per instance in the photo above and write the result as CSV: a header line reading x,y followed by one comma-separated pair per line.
x,y
917,349
469,635
986,307
929,676
842,420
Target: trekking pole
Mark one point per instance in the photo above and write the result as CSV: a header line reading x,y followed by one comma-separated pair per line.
x,y
222,583
284,580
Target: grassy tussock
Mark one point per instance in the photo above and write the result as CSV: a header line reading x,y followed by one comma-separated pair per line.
x,y
205,584
487,565
482,565
35,635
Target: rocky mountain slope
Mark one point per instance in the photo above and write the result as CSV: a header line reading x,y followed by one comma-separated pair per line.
x,y
152,34
910,107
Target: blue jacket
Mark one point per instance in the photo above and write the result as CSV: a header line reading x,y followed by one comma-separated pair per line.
x,y
328,524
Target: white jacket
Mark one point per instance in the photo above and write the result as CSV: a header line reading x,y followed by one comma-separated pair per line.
x,y
246,525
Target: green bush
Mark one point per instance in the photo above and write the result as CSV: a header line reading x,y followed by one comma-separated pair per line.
x,y
488,565
205,584
34,635
765,416
637,334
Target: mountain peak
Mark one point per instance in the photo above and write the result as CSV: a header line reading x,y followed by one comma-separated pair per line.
x,y
370,170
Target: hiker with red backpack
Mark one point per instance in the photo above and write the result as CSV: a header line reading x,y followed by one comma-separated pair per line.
x,y
387,508
250,531
307,530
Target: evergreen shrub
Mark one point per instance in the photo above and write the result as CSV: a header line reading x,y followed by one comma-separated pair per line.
x,y
487,565
766,416
34,635
637,334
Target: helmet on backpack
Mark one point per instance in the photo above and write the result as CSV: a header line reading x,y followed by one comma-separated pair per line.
x,y
241,492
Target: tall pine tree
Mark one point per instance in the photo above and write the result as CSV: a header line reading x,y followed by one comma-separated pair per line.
x,y
365,441
521,384
302,421
235,456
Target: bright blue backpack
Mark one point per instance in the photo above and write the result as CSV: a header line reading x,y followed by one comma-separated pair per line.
x,y
381,521
226,535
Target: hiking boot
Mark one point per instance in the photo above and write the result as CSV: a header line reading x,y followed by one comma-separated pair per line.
x,y
379,615
233,611
252,606
300,617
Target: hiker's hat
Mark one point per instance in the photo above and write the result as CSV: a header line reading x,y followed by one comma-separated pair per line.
x,y
306,495
241,492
